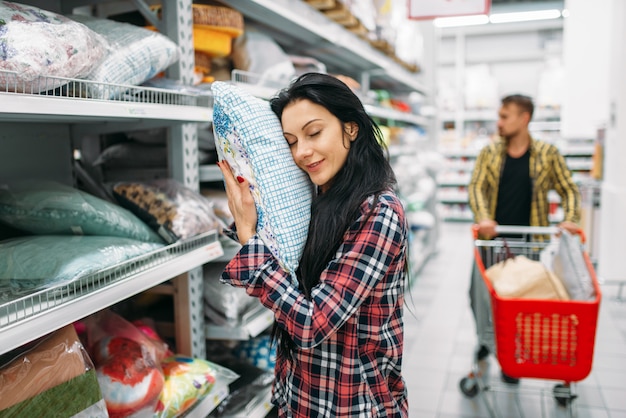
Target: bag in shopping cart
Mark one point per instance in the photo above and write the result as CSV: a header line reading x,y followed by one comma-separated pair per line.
x,y
521,277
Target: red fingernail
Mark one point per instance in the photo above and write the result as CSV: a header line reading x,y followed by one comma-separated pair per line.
x,y
240,179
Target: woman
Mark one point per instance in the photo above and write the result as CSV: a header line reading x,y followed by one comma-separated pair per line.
x,y
340,333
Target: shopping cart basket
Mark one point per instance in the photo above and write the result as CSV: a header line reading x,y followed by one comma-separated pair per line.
x,y
532,338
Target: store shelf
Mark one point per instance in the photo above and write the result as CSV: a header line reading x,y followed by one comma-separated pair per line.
x,y
29,317
133,104
306,31
252,324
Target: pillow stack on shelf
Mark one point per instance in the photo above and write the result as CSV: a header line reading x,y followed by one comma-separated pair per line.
x,y
39,47
74,234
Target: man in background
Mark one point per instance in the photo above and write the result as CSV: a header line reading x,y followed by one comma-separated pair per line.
x,y
509,186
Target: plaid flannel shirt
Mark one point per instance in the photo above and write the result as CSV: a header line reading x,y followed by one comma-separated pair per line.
x,y
349,335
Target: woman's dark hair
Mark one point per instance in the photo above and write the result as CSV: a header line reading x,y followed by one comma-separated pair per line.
x,y
366,172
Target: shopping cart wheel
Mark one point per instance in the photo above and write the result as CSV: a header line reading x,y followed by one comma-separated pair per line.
x,y
469,387
563,394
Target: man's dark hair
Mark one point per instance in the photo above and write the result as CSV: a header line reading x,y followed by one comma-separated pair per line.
x,y
525,103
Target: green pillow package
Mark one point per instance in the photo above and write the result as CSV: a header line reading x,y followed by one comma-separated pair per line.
x,y
51,208
28,264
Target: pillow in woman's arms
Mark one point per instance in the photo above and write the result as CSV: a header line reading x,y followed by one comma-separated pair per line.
x,y
249,137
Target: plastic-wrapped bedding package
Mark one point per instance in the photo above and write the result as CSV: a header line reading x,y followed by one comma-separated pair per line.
x,y
33,263
36,43
128,364
55,374
249,137
174,211
224,305
49,208
136,55
187,381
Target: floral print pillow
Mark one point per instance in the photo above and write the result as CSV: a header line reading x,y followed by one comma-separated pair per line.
x,y
36,43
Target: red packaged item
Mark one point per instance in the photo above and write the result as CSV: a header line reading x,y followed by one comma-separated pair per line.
x,y
127,365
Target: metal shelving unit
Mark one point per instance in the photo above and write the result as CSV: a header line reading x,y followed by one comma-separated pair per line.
x,y
42,128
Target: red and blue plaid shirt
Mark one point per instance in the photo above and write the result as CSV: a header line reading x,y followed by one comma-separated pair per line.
x,y
349,335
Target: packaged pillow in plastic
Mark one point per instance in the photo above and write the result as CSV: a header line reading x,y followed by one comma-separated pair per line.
x,y
37,43
249,137
171,209
187,381
54,374
226,304
32,263
137,54
51,208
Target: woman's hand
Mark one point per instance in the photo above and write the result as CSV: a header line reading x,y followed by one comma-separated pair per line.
x,y
240,203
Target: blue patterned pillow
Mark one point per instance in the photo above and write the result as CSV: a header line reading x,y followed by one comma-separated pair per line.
x,y
249,136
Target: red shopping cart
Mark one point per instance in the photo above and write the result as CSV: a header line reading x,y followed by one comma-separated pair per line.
x,y
533,338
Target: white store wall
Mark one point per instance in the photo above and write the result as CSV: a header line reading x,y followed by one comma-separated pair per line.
x,y
613,203
586,55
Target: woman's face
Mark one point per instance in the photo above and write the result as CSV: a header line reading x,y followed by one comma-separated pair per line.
x,y
318,140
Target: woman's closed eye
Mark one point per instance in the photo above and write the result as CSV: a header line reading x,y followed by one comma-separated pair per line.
x,y
291,140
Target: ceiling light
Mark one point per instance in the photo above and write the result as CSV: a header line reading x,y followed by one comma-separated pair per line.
x,y
525,16
448,22
565,13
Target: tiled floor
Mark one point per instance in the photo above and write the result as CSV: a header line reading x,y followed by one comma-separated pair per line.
x,y
440,342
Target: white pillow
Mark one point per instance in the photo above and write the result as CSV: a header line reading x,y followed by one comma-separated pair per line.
x,y
137,54
37,43
249,136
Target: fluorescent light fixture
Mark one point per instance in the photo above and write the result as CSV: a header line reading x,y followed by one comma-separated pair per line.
x,y
525,16
472,20
565,13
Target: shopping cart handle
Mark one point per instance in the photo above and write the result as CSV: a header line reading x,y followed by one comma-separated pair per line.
x,y
512,229
528,230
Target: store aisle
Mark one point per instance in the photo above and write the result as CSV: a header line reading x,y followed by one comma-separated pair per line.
x,y
440,341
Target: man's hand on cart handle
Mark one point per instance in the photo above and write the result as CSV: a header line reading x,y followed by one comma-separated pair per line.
x,y
487,228
570,227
